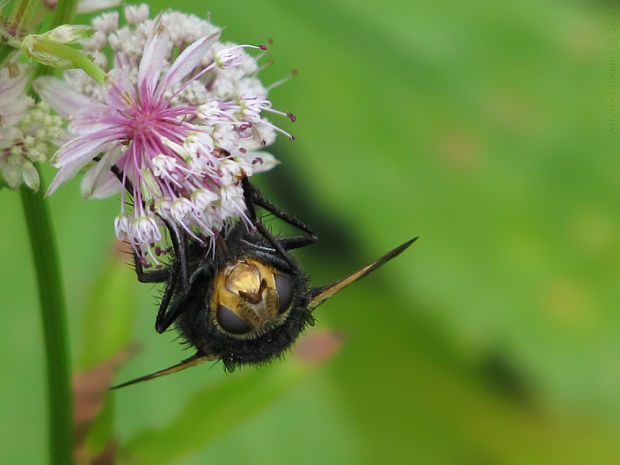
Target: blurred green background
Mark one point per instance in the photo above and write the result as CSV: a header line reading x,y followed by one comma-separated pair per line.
x,y
487,128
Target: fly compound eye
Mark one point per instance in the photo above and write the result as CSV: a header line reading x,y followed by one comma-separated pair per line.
x,y
285,292
229,321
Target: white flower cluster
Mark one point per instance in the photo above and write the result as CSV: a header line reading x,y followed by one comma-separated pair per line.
x,y
27,131
181,116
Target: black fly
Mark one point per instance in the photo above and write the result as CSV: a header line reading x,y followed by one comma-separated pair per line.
x,y
248,302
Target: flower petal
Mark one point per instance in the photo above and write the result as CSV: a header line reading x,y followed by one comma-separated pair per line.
x,y
12,174
96,182
90,6
261,161
119,91
66,173
189,59
13,112
61,97
81,147
107,187
11,87
31,176
155,53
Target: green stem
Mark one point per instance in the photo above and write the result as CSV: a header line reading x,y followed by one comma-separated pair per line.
x,y
53,315
52,303
64,13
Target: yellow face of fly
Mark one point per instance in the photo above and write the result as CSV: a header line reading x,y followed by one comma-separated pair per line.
x,y
249,297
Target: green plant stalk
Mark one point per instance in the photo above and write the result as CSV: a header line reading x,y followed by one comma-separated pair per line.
x,y
64,13
26,15
21,12
52,302
53,316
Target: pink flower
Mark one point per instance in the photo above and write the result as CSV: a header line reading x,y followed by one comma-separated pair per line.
x,y
183,157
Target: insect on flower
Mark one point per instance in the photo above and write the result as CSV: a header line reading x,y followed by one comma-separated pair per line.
x,y
180,113
250,300
178,125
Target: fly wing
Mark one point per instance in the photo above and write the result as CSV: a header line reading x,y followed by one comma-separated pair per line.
x,y
318,295
187,363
